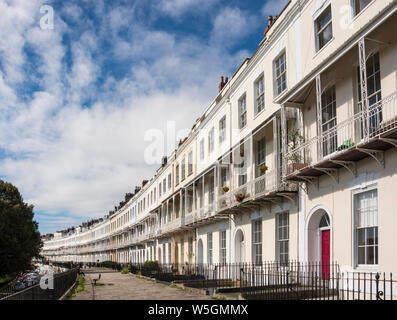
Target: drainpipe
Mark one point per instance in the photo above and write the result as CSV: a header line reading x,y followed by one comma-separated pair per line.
x,y
231,175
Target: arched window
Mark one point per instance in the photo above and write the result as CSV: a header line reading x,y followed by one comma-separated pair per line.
x,y
324,222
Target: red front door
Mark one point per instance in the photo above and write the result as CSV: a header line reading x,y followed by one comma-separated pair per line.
x,y
325,253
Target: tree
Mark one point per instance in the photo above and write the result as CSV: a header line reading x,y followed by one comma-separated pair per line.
x,y
20,240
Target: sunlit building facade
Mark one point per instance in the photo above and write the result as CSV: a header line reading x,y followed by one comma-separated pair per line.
x,y
295,158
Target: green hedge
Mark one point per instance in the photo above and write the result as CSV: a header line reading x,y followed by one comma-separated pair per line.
x,y
151,265
109,264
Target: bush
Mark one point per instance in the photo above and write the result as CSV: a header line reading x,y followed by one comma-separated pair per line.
x,y
80,284
126,269
109,264
151,265
78,287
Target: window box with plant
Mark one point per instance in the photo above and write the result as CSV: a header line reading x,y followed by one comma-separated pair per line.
x,y
263,168
239,197
294,157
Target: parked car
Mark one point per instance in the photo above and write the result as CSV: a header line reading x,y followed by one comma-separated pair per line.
x,y
33,275
19,285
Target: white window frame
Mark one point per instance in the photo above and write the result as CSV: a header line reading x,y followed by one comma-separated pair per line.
x,y
190,163
177,174
183,251
276,78
211,143
202,149
355,192
329,146
222,247
259,95
222,130
354,8
210,247
284,240
257,155
318,32
183,169
190,249
242,114
254,244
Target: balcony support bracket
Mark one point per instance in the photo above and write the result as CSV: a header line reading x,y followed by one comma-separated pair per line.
x,y
314,181
349,165
287,196
393,142
377,155
275,201
332,172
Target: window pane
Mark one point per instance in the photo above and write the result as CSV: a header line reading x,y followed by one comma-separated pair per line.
x,y
280,74
370,255
376,255
361,255
361,237
359,5
370,236
324,18
376,236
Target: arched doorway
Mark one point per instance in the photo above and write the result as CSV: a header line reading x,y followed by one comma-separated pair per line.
x,y
239,247
319,239
200,252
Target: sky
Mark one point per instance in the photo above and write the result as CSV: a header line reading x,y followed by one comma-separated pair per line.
x,y
80,92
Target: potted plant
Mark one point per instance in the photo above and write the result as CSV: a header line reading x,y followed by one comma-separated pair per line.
x,y
263,168
239,197
225,188
295,158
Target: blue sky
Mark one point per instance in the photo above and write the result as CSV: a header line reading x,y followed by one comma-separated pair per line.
x,y
76,100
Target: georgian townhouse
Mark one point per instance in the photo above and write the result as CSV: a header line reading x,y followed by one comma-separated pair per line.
x,y
293,160
342,152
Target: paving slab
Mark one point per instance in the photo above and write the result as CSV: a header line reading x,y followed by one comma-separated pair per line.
x,y
117,286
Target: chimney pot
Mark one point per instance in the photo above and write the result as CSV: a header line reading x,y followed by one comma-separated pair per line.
x,y
269,20
221,84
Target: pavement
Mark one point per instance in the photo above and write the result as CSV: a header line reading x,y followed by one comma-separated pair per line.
x,y
117,286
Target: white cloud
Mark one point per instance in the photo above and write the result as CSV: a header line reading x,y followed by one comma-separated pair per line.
x,y
273,7
176,8
66,158
17,16
230,25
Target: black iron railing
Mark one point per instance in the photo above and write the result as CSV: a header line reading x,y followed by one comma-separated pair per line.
x,y
61,283
277,281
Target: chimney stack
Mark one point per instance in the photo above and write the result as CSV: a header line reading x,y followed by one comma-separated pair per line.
x,y
269,20
221,84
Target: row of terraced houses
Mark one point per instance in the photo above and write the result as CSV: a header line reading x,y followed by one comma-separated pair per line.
x,y
295,159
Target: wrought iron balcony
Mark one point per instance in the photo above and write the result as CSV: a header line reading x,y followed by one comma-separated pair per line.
x,y
173,225
361,135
